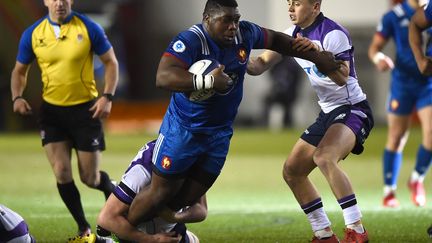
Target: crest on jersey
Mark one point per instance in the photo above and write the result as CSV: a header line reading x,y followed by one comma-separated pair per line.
x,y
80,37
179,46
166,162
242,55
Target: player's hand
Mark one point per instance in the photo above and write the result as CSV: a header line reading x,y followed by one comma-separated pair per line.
x,y
22,107
326,62
301,43
383,62
425,66
170,237
102,108
222,81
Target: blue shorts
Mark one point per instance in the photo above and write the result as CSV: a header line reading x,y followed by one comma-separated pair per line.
x,y
177,149
357,117
407,93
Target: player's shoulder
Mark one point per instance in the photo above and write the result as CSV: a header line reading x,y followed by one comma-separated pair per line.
x,y
29,30
90,24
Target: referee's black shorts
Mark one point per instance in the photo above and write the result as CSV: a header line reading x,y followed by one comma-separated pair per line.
x,y
71,123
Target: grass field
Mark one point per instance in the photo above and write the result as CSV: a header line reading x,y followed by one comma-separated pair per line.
x,y
249,202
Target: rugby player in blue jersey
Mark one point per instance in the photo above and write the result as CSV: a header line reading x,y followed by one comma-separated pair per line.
x,y
341,128
420,21
410,92
63,43
194,136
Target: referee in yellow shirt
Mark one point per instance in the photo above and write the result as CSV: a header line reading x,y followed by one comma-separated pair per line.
x,y
63,43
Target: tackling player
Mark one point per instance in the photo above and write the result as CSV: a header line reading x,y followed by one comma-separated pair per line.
x,y
170,228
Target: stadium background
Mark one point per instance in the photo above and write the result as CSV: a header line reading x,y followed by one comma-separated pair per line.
x,y
141,30
249,202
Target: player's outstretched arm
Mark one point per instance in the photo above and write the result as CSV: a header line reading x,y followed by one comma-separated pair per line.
x,y
282,43
419,23
260,64
112,218
382,61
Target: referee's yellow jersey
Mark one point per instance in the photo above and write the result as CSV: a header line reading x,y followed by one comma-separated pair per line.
x,y
65,56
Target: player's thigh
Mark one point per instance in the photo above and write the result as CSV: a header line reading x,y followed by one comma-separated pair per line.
x,y
300,160
59,156
398,126
425,116
336,144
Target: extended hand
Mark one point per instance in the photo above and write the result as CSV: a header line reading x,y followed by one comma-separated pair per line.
x,y
222,81
326,62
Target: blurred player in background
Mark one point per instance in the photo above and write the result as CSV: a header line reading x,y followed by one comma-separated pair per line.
x,y
13,228
112,217
342,127
409,92
63,43
421,20
195,134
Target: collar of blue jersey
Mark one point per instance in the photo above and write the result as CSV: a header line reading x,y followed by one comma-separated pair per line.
x,y
65,21
409,11
318,20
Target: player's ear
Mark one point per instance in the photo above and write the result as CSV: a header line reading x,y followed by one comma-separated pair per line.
x,y
206,17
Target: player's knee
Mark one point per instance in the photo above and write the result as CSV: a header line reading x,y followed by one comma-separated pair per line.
x,y
89,179
324,161
288,173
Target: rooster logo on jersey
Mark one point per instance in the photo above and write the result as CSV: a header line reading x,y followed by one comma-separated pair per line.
x,y
242,55
166,162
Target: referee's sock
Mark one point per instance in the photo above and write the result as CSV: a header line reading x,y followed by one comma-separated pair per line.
x,y
105,185
71,197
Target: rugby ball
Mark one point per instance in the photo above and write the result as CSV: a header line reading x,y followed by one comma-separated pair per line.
x,y
202,67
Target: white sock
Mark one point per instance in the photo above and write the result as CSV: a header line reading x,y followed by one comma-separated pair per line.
x,y
415,176
389,189
351,214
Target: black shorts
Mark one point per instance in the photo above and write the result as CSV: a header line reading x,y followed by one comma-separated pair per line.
x,y
357,117
71,123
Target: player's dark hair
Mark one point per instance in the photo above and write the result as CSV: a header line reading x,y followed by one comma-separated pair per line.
x,y
213,5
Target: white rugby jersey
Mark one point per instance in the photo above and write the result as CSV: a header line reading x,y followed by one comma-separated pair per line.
x,y
13,228
334,38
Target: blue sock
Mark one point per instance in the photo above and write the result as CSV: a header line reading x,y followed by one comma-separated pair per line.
x,y
392,162
424,160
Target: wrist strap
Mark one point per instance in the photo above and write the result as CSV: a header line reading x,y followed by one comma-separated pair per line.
x,y
202,81
109,96
378,57
16,98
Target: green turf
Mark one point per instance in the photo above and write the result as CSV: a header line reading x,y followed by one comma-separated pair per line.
x,y
249,202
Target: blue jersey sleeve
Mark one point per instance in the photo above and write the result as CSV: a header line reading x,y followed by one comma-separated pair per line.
x,y
186,47
98,38
25,48
428,12
385,27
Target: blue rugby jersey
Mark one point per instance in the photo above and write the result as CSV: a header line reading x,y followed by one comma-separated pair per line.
x,y
394,24
219,110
